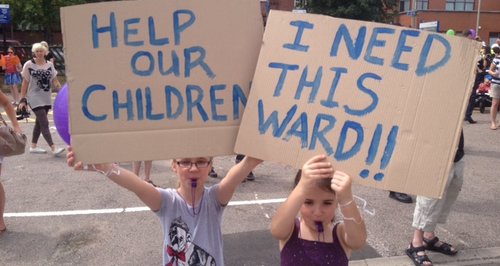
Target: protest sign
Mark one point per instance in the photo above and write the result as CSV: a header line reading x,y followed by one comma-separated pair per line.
x,y
158,79
385,103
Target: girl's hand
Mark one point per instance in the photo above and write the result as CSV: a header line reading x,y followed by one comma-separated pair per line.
x,y
341,184
316,168
70,159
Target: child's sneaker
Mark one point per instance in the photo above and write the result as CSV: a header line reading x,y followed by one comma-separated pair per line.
x,y
37,150
58,151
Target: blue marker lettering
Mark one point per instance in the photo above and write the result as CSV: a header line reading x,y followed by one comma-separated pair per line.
x,y
296,45
152,34
238,96
139,104
299,129
214,101
422,69
340,154
128,105
374,42
284,70
190,103
174,68
111,29
170,93
402,47
85,100
371,93
190,64
389,148
127,31
273,120
372,151
329,102
354,49
313,84
149,60
320,134
178,27
149,107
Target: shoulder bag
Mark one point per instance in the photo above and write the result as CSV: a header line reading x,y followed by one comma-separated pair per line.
x,y
11,143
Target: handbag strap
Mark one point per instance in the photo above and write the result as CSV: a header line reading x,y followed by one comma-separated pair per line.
x,y
3,120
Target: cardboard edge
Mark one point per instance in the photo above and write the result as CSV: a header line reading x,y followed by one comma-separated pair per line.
x,y
218,141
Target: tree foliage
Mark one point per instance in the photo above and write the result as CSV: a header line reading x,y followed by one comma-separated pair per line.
x,y
40,15
368,10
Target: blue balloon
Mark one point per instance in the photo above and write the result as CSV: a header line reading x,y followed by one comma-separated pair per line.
x,y
61,114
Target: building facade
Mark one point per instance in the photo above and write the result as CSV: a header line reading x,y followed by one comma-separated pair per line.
x,y
482,16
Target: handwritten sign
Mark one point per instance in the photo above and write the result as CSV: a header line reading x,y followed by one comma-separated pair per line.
x,y
385,103
158,79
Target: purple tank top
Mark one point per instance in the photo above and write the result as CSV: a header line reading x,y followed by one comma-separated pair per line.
x,y
300,252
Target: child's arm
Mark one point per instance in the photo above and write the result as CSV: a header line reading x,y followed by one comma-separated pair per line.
x,y
146,192
493,70
234,178
283,221
353,230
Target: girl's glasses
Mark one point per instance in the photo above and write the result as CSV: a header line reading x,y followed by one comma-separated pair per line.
x,y
189,164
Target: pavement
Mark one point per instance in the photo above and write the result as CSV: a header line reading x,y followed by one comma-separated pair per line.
x,y
469,257
57,216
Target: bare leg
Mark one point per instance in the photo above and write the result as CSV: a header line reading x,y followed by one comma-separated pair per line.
x,y
493,113
15,93
147,170
136,167
2,204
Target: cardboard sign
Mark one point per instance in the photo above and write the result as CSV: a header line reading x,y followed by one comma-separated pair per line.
x,y
385,103
158,79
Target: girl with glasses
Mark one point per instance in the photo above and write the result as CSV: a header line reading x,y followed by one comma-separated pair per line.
x,y
190,214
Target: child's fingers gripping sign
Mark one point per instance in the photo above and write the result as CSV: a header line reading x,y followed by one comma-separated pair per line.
x,y
341,183
70,159
317,167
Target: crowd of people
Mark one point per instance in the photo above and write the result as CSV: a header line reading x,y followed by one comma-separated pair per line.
x,y
191,214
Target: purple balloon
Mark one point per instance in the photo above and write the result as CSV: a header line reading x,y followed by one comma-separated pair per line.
x,y
61,114
473,33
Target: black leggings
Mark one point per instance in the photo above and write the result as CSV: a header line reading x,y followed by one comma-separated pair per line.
x,y
42,125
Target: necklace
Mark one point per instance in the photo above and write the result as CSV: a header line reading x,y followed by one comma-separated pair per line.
x,y
193,198
319,228
193,192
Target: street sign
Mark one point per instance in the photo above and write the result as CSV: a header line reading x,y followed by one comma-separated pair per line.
x,y
412,13
4,14
429,26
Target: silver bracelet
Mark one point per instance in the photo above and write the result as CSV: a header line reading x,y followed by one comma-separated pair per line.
x,y
113,170
346,204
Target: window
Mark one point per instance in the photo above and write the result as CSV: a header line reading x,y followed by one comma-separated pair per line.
x,y
404,5
422,4
460,5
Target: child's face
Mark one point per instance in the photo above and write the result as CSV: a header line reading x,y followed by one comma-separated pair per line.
x,y
189,169
319,205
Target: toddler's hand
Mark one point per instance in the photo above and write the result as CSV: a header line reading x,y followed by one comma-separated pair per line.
x,y
316,168
341,184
